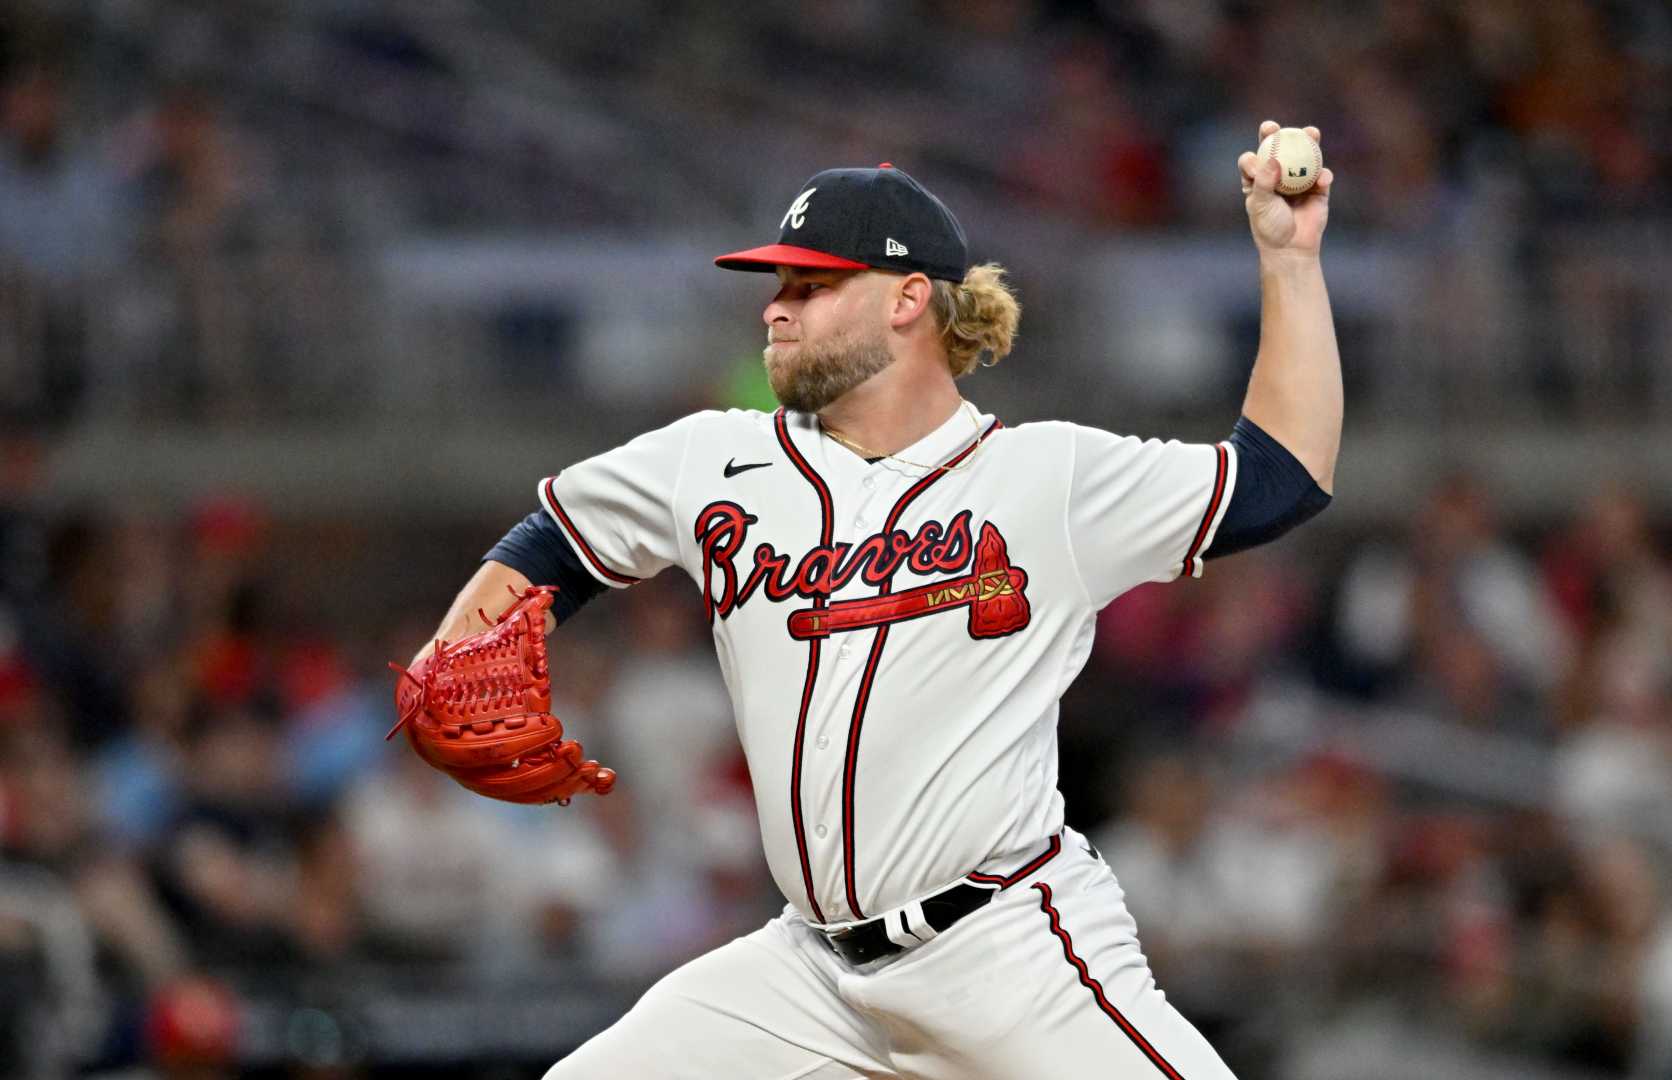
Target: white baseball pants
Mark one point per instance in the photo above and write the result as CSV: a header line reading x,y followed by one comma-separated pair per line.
x,y
1047,980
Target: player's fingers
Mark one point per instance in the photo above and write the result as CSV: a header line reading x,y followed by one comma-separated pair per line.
x,y
1267,127
1267,175
1245,169
1312,133
1325,179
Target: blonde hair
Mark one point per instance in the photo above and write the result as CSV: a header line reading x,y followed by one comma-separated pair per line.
x,y
977,315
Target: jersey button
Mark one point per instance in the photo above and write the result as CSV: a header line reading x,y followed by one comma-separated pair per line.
x,y
870,481
822,742
822,831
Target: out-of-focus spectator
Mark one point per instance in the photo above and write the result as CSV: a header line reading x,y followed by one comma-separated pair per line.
x,y
446,876
1210,887
1614,769
1607,574
48,970
693,840
427,854
141,772
1452,614
190,183
197,197
90,902
1191,660
666,714
63,223
1235,884
48,975
74,639
23,521
230,863
1570,102
61,209
1094,153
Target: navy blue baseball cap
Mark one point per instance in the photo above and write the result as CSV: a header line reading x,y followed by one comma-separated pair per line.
x,y
863,219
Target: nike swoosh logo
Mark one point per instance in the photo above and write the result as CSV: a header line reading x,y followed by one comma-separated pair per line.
x,y
733,469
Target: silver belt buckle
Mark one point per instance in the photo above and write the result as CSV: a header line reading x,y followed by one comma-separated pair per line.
x,y
843,934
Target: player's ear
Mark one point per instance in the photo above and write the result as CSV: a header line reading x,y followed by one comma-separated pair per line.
x,y
910,300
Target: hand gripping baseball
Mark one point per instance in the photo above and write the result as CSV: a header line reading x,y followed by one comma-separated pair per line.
x,y
479,709
1283,223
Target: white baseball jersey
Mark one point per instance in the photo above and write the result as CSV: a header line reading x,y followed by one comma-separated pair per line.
x,y
895,637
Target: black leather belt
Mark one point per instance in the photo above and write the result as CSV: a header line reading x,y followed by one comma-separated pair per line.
x,y
869,940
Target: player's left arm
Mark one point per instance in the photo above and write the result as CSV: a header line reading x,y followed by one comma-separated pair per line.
x,y
1294,394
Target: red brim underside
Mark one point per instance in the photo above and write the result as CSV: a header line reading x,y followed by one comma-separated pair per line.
x,y
765,259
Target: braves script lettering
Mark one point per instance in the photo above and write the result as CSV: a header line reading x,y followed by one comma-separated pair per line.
x,y
993,593
722,529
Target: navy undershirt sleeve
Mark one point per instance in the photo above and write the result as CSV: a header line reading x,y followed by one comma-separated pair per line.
x,y
537,549
1274,493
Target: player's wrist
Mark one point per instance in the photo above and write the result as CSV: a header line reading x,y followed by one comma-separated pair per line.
x,y
1288,260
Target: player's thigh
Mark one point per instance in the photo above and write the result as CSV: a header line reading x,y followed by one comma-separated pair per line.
x,y
754,1009
1104,1015
1048,981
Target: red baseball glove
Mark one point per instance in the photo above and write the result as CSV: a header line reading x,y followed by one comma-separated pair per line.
x,y
479,709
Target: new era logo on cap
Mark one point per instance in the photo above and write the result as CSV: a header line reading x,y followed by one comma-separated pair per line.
x,y
853,208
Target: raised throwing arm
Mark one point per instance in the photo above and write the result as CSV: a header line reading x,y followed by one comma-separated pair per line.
x,y
1294,393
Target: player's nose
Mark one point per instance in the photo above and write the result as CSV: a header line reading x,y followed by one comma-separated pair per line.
x,y
776,312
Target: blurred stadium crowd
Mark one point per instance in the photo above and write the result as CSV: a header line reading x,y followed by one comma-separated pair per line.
x,y
219,211
1387,800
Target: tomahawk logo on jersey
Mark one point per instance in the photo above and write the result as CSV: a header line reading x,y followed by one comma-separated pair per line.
x,y
872,613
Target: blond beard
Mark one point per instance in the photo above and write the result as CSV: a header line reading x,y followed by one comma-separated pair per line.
x,y
823,372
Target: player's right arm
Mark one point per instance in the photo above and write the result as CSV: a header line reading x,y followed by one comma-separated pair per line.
x,y
1294,393
1149,511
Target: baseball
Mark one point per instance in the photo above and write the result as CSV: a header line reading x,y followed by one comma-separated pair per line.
x,y
1297,154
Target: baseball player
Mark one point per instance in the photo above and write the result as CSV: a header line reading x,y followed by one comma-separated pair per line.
x,y
900,589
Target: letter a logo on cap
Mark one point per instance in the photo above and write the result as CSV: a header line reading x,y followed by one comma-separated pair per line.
x,y
796,215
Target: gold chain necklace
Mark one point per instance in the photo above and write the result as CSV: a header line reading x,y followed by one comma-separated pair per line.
x,y
867,452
